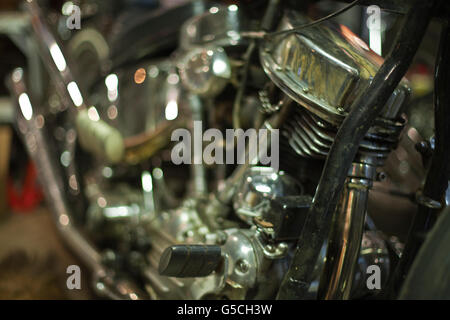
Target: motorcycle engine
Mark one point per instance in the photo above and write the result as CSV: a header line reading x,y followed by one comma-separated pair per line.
x,y
196,250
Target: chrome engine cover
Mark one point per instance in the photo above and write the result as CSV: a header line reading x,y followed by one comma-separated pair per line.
x,y
324,68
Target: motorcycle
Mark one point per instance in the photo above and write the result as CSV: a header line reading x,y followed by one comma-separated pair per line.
x,y
151,129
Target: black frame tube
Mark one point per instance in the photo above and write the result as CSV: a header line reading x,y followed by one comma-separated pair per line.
x,y
436,182
365,109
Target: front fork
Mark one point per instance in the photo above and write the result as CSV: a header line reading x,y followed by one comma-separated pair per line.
x,y
346,234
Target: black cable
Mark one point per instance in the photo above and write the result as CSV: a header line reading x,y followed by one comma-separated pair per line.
x,y
313,23
269,35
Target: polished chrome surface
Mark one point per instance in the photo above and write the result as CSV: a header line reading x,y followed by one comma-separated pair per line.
x,y
259,185
374,251
118,211
242,259
145,102
344,245
95,135
324,68
220,26
427,201
346,234
184,226
205,71
31,126
134,99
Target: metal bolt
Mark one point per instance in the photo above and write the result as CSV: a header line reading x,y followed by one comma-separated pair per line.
x,y
242,266
381,176
269,248
221,238
282,247
425,148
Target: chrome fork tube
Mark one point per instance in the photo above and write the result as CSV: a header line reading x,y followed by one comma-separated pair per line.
x,y
346,235
51,54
